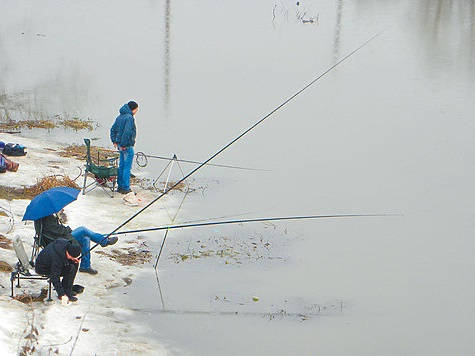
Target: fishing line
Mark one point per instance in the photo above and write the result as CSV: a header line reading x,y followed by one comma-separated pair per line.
x,y
141,160
285,102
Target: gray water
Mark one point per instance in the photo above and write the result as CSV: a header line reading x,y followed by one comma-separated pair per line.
x,y
388,131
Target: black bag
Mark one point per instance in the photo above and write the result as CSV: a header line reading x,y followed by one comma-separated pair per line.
x,y
14,149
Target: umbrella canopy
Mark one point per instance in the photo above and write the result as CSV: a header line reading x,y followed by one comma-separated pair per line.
x,y
50,202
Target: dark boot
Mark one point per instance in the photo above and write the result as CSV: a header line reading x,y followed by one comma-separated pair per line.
x,y
111,240
88,270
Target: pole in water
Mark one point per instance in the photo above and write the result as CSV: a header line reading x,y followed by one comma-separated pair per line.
x,y
175,159
285,102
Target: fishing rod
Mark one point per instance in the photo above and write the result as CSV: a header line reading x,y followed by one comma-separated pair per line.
x,y
285,102
141,160
226,222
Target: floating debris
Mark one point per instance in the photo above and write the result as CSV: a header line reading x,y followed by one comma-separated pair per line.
x,y
234,250
129,256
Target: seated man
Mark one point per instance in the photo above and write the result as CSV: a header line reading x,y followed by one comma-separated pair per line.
x,y
50,228
60,259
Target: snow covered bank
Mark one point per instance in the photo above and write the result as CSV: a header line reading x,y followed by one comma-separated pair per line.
x,y
96,323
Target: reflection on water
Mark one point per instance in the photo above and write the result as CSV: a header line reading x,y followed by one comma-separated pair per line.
x,y
166,61
57,81
238,307
336,45
445,29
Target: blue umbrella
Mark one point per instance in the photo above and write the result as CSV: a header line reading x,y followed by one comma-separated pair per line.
x,y
50,202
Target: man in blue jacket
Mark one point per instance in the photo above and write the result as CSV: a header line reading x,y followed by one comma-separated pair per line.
x,y
122,135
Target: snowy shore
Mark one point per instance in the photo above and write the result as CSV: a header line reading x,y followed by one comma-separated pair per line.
x,y
97,323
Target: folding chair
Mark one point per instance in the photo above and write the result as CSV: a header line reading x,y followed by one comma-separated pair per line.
x,y
22,269
40,240
105,176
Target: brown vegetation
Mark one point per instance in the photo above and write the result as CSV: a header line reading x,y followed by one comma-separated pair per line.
x,y
74,123
28,298
79,152
11,193
5,267
5,243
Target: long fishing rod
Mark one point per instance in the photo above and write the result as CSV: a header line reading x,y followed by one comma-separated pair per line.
x,y
141,156
285,102
226,222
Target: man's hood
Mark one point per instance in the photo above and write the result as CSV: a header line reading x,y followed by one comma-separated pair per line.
x,y
125,110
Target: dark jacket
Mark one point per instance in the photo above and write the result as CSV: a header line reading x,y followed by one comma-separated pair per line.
x,y
123,132
51,229
52,262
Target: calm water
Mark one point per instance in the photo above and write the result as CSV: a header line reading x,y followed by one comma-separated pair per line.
x,y
391,130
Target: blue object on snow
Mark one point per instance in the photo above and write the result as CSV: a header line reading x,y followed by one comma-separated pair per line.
x,y
50,202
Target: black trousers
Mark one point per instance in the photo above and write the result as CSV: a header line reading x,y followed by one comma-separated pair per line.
x,y
68,278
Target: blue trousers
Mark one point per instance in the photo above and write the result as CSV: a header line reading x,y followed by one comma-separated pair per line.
x,y
125,166
84,236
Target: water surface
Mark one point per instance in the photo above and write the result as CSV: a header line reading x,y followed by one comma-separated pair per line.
x,y
391,130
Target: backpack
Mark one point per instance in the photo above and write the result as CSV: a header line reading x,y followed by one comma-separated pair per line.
x,y
14,149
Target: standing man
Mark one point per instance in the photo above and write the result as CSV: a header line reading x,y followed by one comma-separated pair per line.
x,y
122,135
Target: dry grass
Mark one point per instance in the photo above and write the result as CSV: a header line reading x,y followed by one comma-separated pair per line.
x,y
51,182
78,124
5,267
29,124
43,184
5,243
79,152
27,298
74,123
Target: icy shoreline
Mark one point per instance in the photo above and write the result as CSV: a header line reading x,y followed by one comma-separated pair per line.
x,y
98,323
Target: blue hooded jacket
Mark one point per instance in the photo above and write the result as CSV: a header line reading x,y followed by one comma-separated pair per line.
x,y
123,131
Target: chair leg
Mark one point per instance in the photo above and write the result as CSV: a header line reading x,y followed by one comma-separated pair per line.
x,y
84,185
18,280
12,279
34,253
49,291
113,187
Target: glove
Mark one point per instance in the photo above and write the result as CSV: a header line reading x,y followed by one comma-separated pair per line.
x,y
64,300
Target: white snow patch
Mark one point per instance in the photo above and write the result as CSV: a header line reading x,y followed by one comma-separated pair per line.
x,y
98,320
